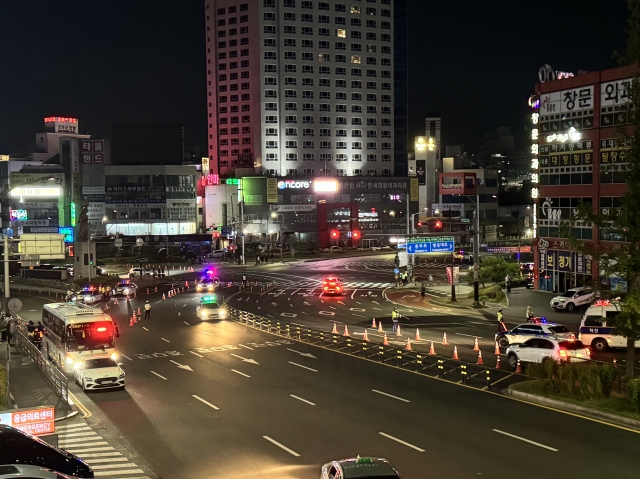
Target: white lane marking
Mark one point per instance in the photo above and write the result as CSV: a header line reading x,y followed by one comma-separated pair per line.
x,y
186,323
390,395
145,328
301,366
86,445
360,315
199,355
377,308
300,399
353,294
322,301
207,332
72,427
32,310
241,374
166,340
332,307
525,440
125,356
184,305
468,335
340,302
77,433
102,454
281,446
375,302
243,346
327,313
113,466
304,312
159,375
105,459
64,442
401,441
206,402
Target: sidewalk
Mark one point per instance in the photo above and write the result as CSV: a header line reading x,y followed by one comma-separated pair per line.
x,y
28,386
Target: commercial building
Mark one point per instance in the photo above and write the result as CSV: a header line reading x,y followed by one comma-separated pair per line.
x,y
306,87
578,156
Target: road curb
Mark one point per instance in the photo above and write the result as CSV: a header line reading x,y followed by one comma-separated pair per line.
x,y
567,406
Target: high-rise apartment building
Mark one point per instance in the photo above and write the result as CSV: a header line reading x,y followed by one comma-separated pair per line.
x,y
306,87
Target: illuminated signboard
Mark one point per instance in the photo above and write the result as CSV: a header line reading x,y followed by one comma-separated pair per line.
x,y
37,192
571,135
37,422
232,181
205,166
293,184
325,186
210,179
67,231
18,215
73,213
61,124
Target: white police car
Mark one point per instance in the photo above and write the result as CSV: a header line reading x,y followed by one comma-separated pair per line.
x,y
209,308
597,332
572,299
361,467
539,350
523,332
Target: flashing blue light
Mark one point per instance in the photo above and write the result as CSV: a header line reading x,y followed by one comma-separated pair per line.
x,y
543,320
210,271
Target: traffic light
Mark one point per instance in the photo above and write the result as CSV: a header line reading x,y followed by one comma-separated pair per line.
x,y
335,234
438,225
355,235
419,223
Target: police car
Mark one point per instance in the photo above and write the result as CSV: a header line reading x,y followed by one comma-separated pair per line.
x,y
539,350
594,330
362,467
522,333
209,308
125,288
332,285
88,295
572,299
207,282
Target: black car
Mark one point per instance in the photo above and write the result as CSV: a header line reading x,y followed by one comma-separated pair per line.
x,y
529,282
17,447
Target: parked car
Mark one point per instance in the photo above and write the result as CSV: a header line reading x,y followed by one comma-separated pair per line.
x,y
539,350
529,283
572,299
140,272
217,254
364,467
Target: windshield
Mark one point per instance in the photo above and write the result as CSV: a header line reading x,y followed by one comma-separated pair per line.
x,y
99,363
206,280
559,329
90,336
568,294
210,306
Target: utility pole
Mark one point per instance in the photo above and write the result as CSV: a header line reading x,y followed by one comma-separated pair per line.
x,y
7,293
476,251
406,243
244,255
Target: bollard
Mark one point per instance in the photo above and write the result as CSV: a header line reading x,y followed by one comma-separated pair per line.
x,y
309,335
440,368
364,349
298,332
381,353
349,345
278,326
321,338
463,372
399,357
488,379
335,341
288,332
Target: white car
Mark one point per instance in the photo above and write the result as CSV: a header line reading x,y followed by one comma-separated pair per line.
x,y
363,467
88,296
539,350
572,299
217,254
99,372
141,271
125,288
527,331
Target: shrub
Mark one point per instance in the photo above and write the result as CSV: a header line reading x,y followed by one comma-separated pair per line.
x,y
633,393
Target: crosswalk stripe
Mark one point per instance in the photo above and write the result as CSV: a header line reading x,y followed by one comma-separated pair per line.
x,y
102,454
91,449
80,439
77,434
114,466
124,471
92,461
99,443
72,426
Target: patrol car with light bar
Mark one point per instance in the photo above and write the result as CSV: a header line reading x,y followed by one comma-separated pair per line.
x,y
594,329
360,467
523,332
209,308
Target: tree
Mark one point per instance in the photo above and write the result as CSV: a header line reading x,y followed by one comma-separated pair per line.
x,y
621,224
493,269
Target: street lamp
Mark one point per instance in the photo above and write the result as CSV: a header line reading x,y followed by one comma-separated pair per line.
x,y
274,215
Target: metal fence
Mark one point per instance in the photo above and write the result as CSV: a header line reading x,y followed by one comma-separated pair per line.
x,y
55,376
457,371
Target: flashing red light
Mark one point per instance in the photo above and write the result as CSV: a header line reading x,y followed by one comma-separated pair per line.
x,y
335,234
438,224
419,223
562,352
355,234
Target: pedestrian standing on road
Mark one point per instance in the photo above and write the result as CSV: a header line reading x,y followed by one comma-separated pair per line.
x,y
423,290
244,280
501,325
3,327
395,319
430,280
13,326
507,283
147,310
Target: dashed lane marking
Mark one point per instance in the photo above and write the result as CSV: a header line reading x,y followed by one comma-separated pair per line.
x,y
159,375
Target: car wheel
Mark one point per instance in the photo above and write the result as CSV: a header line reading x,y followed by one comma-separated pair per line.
x,y
600,345
570,307
503,342
513,360
84,389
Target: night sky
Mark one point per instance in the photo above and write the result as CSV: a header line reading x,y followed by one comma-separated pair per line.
x,y
143,61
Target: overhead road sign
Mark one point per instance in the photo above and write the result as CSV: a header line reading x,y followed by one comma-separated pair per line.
x,y
430,244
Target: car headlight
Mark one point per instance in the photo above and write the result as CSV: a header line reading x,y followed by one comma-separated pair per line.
x,y
125,291
77,365
69,360
121,376
114,356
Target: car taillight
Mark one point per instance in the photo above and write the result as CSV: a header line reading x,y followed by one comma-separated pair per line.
x,y
101,330
326,288
562,352
587,351
338,288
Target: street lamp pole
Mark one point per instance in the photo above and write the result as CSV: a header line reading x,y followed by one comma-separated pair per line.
x,y
476,252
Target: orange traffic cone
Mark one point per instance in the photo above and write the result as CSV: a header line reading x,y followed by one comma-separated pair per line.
x,y
135,320
455,353
373,324
155,290
418,335
432,350
398,332
186,283
131,321
408,347
475,345
519,368
366,336
497,350
615,361
480,361
138,311
385,341
116,301
498,365
147,290
380,330
163,297
335,329
346,330
444,339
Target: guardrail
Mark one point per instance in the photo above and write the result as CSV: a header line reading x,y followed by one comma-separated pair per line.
x,y
456,371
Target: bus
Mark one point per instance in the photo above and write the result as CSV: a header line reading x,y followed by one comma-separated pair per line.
x,y
74,331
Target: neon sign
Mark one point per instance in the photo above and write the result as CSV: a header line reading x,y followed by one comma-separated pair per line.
x,y
293,184
67,231
571,135
210,179
18,215
73,213
52,119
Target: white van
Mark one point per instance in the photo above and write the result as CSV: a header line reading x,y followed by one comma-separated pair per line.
x,y
594,330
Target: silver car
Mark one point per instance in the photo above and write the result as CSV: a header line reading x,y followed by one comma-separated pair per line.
x,y
572,299
361,467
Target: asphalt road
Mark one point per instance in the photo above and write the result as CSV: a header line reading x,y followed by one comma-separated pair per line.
x,y
219,399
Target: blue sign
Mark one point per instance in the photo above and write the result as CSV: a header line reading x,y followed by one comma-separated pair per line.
x,y
396,271
67,231
441,247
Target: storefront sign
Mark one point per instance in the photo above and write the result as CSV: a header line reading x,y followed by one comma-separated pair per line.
x,y
272,190
292,208
18,215
205,166
413,189
293,184
37,192
508,249
325,186
67,231
60,124
37,422
93,190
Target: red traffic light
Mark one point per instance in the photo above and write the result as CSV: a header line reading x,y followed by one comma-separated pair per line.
x,y
335,234
419,223
438,224
355,234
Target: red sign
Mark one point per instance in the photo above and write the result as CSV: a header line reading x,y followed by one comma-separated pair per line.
x,y
61,119
36,422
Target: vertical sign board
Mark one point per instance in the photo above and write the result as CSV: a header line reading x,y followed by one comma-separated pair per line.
x,y
37,422
272,190
453,275
413,190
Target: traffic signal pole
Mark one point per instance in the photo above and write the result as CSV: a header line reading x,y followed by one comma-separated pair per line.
x,y
7,293
476,252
